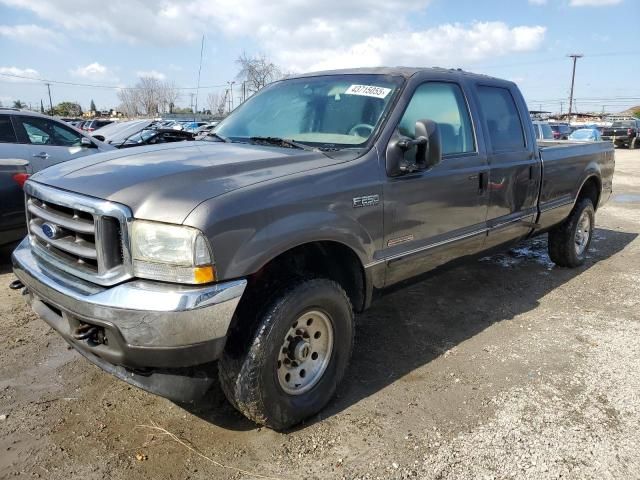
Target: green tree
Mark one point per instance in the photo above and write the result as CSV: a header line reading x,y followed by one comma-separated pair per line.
x,y
67,109
19,104
636,113
92,107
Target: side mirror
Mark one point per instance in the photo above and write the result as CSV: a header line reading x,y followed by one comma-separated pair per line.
x,y
85,142
427,146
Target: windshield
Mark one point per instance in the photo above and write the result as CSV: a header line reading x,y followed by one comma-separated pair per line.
x,y
334,111
142,136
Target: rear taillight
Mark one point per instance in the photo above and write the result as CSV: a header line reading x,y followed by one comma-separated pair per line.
x,y
21,178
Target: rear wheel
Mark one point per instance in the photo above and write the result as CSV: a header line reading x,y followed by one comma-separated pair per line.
x,y
296,358
569,241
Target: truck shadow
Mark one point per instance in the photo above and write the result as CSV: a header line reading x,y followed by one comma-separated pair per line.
x,y
414,324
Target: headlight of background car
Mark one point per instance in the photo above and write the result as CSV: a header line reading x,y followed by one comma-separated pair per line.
x,y
170,253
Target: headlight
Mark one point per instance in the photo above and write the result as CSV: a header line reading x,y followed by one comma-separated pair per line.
x,y
170,253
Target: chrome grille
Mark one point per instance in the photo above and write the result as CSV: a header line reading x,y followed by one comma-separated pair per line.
x,y
84,236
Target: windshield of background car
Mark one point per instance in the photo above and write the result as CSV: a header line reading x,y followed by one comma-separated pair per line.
x,y
333,111
142,136
547,133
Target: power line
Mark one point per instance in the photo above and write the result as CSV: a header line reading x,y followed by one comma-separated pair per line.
x,y
93,85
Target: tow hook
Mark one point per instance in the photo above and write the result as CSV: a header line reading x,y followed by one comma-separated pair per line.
x,y
16,285
85,331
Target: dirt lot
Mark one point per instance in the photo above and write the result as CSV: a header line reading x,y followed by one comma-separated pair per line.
x,y
505,368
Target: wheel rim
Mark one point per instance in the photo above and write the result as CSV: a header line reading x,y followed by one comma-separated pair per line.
x,y
583,232
305,352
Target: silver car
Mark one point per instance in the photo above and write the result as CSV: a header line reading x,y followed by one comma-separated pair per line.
x,y
41,140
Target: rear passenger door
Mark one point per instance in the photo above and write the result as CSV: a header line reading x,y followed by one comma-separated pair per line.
x,y
515,169
9,146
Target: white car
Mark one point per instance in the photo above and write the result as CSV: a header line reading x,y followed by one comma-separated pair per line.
x,y
41,140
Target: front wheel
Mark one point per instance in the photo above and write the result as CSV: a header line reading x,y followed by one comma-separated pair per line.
x,y
296,358
569,241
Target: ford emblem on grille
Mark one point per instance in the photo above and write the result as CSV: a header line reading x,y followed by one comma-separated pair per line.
x,y
51,231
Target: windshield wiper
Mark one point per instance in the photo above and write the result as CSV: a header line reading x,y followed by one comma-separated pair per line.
x,y
281,142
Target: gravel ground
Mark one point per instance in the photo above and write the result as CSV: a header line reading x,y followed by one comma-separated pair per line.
x,y
507,367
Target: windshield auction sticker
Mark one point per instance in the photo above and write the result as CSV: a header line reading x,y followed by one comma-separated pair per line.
x,y
368,91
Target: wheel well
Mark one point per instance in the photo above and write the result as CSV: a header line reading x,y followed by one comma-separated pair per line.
x,y
591,189
327,259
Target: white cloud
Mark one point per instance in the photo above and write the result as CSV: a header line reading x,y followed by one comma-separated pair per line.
x,y
31,34
538,2
94,71
297,34
151,73
593,3
21,74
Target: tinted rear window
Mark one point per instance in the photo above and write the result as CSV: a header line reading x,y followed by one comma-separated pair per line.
x,y
629,124
7,135
503,120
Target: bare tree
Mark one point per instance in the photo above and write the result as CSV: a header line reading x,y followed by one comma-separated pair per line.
x,y
216,103
169,96
149,96
128,101
257,71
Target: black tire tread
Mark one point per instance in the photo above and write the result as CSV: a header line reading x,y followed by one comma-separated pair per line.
x,y
239,376
561,238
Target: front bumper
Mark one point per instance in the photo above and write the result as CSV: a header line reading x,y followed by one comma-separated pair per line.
x,y
145,327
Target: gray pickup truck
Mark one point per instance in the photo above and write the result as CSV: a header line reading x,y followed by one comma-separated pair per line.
x,y
244,258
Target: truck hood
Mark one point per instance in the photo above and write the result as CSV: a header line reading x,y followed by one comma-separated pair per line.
x,y
165,182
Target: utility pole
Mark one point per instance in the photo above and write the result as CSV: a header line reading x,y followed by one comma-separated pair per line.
x,y
50,102
575,57
561,107
230,95
191,104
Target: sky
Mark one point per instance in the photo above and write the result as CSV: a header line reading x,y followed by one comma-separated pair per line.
x,y
112,43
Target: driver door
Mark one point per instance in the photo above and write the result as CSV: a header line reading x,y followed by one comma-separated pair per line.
x,y
435,215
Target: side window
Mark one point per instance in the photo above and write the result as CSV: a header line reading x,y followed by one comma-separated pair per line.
x,y
443,103
503,120
7,135
65,136
35,134
41,131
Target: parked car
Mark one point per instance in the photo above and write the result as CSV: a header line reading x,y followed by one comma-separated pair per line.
x,y
92,125
117,132
561,131
80,124
37,141
13,174
623,133
153,136
543,130
586,135
256,248
41,140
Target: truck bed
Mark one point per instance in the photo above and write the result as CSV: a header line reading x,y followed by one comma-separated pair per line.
x,y
561,161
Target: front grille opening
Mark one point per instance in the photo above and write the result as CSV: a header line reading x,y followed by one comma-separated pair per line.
x,y
87,243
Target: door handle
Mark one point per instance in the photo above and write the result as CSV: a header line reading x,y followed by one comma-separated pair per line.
x,y
483,182
43,155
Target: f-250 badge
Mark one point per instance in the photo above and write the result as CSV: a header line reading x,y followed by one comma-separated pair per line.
x,y
366,201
